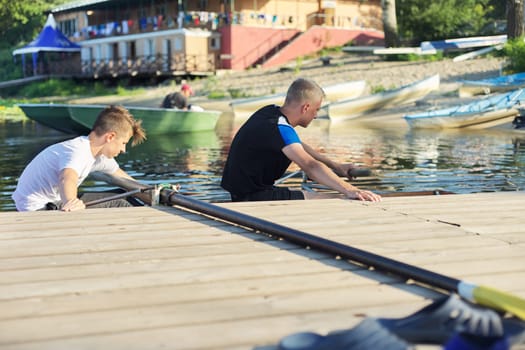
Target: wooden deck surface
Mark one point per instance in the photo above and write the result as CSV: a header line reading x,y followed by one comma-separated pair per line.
x,y
165,278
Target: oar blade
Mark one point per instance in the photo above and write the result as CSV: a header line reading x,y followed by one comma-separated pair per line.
x,y
493,298
500,300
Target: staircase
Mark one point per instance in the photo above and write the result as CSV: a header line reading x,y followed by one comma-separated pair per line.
x,y
274,51
317,38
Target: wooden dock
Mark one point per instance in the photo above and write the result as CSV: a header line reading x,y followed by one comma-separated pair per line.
x,y
166,278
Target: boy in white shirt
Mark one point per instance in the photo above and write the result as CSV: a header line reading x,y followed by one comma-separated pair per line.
x,y
52,178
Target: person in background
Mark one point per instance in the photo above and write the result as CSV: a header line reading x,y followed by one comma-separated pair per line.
x,y
267,143
180,100
52,178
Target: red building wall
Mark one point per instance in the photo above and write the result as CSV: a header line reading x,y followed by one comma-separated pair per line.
x,y
317,38
243,46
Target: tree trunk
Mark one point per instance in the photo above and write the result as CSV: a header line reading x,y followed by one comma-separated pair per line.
x,y
514,18
390,23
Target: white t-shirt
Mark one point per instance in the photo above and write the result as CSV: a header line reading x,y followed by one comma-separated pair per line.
x,y
39,182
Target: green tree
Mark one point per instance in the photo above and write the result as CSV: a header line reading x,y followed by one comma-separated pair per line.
x,y
498,9
514,50
440,19
21,20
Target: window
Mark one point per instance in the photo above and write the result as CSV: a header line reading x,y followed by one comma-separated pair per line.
x,y
68,27
203,5
177,44
215,43
149,49
161,10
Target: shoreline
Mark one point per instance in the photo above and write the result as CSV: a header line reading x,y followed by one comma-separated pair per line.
x,y
378,74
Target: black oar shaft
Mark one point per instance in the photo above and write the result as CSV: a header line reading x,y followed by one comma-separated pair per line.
x,y
302,238
117,196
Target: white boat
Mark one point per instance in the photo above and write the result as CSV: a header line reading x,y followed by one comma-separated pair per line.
x,y
492,85
353,108
243,108
480,114
464,43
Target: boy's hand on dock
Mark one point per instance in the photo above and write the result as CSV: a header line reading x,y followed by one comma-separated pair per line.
x,y
73,204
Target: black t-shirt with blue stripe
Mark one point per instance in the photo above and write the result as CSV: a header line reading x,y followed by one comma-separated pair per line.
x,y
256,159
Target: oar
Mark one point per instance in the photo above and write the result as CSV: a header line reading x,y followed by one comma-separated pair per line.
x,y
352,173
118,196
416,193
485,296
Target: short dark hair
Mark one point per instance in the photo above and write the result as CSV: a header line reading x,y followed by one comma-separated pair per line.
x,y
303,90
175,100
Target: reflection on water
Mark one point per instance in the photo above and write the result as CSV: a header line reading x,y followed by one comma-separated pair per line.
x,y
402,160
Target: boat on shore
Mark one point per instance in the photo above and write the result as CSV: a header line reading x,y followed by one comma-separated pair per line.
x,y
78,119
353,108
480,114
243,108
487,86
54,116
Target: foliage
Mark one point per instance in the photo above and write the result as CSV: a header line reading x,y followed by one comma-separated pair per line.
x,y
377,89
236,93
212,85
59,88
122,91
514,50
9,67
498,9
298,64
21,20
51,87
331,50
421,20
411,57
216,95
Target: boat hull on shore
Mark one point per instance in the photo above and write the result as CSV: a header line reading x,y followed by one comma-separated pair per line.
x,y
499,84
243,108
481,114
353,108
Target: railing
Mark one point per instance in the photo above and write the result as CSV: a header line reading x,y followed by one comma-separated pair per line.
x,y
52,66
200,19
212,20
160,65
361,22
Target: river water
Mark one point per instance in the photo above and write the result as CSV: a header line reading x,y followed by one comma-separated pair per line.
x,y
401,159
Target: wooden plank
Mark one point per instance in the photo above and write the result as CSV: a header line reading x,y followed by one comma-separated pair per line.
x,y
188,313
73,284
149,278
170,292
247,333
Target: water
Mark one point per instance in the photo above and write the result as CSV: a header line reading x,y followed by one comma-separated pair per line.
x,y
402,159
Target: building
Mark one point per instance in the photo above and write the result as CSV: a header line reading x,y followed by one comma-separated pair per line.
x,y
181,37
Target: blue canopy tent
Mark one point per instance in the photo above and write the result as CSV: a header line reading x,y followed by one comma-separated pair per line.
x,y
49,39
